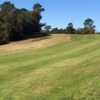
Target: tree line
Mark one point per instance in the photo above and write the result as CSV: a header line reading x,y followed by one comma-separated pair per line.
x,y
89,28
17,24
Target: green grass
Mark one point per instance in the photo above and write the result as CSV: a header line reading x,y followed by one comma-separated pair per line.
x,y
65,71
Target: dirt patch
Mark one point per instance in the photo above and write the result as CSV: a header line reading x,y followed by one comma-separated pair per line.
x,y
34,43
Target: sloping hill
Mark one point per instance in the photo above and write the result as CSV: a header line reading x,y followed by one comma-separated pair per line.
x,y
64,71
34,43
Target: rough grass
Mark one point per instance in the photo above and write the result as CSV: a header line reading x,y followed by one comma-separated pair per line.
x,y
64,71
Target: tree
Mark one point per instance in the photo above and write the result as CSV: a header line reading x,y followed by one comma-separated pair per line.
x,y
70,29
6,13
6,9
47,28
54,30
88,23
89,28
37,9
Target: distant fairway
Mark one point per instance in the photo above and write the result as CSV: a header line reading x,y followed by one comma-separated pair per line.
x,y
66,70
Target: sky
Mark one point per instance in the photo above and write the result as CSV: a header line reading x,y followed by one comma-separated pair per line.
x,y
58,13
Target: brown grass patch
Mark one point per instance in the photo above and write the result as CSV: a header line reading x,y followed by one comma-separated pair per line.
x,y
33,43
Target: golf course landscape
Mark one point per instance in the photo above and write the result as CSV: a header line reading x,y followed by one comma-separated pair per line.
x,y
57,67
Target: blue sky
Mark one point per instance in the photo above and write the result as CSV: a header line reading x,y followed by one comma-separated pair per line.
x,y
58,13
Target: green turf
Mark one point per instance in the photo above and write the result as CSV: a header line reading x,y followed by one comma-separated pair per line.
x,y
64,71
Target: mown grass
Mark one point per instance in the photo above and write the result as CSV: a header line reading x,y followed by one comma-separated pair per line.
x,y
65,71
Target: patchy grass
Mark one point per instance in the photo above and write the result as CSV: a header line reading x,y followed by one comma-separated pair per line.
x,y
67,70
33,43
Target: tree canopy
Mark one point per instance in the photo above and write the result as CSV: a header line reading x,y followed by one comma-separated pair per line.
x,y
89,28
17,23
70,28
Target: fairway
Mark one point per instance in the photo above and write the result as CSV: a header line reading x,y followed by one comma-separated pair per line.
x,y
66,70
